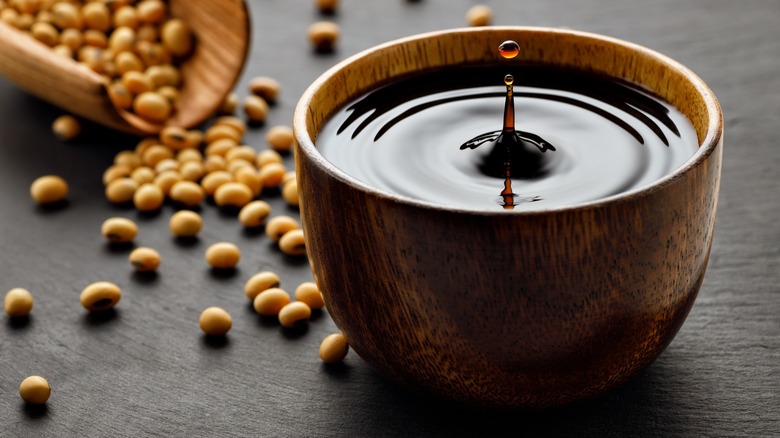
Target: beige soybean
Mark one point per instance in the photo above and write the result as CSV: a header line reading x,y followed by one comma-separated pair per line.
x,y
254,214
18,302
219,132
249,177
49,189
334,348
233,194
66,128
194,138
293,243
125,16
95,38
267,157
151,11
192,171
294,314
187,193
310,294
479,15
280,138
174,137
185,224
172,94
148,33
265,87
188,155
229,104
238,163
166,180
272,174
122,39
35,390
63,50
232,121
166,165
99,296
270,301
243,152
215,321
152,106
324,35
120,96
116,171
290,193
126,62
45,33
214,163
214,180
176,37
143,175
144,259
140,84
289,176
162,75
121,190
223,255
220,147
260,282
71,38
127,158
148,198
119,230
96,16
156,153
279,226
256,108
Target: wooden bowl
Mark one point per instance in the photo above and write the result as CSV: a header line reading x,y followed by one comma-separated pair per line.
x,y
222,33
519,309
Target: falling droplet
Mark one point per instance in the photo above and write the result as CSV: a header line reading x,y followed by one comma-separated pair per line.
x,y
509,49
509,80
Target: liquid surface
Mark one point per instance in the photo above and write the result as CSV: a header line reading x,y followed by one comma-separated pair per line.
x,y
407,138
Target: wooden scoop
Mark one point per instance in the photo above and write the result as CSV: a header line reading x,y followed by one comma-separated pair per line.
x,y
222,34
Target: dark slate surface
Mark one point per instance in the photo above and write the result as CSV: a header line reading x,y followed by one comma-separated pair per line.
x,y
148,371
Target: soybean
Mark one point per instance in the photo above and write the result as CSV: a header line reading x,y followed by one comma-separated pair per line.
x,y
271,301
290,193
176,37
148,198
145,259
479,15
119,230
215,321
99,296
35,390
18,302
279,226
233,194
185,224
310,294
121,190
214,180
49,189
256,108
265,87
294,314
272,174
323,36
260,282
280,138
327,7
223,255
166,180
293,243
334,348
66,127
254,214
152,106
267,157
187,193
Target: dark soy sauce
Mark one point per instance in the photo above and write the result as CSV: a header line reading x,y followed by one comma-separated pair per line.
x,y
580,137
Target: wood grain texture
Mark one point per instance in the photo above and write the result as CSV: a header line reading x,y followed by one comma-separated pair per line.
x,y
529,309
148,372
222,33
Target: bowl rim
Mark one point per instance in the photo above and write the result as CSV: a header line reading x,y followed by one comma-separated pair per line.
x,y
706,147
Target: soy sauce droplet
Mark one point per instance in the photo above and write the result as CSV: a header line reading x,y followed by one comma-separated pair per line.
x,y
509,49
509,80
